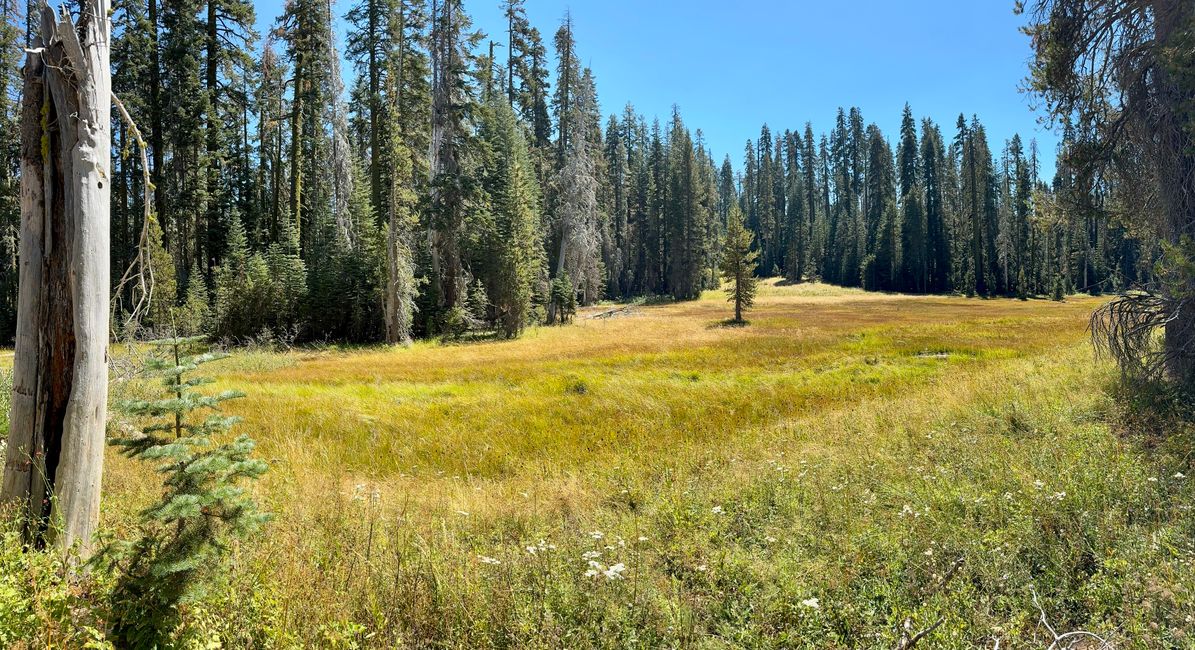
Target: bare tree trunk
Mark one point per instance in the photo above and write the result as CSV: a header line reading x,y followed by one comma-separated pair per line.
x,y
399,274
559,272
60,381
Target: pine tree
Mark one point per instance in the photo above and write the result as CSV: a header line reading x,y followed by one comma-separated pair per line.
x,y
370,41
228,39
452,170
513,245
409,92
797,225
738,264
686,213
305,27
914,247
184,106
244,297
204,505
10,208
527,74
882,226
164,296
193,317
575,185
616,253
937,247
272,112
568,75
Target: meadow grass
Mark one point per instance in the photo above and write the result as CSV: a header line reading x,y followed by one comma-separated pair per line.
x,y
656,479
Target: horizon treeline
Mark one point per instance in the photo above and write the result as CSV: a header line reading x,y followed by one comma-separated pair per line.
x,y
454,182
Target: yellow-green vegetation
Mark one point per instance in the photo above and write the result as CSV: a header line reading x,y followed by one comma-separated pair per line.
x,y
652,478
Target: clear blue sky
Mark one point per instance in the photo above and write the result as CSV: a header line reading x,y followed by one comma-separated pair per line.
x,y
733,66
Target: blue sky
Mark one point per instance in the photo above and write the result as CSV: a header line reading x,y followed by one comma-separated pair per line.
x,y
733,66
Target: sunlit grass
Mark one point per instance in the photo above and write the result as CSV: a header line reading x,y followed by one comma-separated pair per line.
x,y
846,447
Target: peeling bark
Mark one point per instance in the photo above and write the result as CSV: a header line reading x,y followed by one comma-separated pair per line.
x,y
60,376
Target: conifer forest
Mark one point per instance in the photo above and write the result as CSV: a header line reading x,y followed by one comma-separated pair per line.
x,y
434,184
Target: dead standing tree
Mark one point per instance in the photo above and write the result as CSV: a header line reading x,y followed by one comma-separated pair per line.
x,y
60,375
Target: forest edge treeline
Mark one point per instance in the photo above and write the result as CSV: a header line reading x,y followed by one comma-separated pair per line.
x,y
457,189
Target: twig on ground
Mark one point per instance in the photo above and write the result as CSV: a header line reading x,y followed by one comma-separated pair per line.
x,y
1068,640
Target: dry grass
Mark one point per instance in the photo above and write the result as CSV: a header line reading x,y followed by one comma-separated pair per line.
x,y
845,446
666,380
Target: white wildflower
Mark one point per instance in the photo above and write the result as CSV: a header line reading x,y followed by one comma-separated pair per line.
x,y
485,559
590,555
614,572
717,510
811,603
597,534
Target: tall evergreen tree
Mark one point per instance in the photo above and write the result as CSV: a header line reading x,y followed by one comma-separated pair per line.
x,y
914,246
937,248
513,241
10,210
738,264
453,183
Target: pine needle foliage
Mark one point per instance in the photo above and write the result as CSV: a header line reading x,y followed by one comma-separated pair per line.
x,y
738,264
203,507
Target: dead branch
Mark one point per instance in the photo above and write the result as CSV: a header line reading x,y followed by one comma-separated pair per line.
x,y
1069,640
611,313
140,271
1126,329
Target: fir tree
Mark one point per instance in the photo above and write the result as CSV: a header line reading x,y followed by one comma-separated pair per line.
x,y
739,260
10,210
192,318
513,247
204,506
164,294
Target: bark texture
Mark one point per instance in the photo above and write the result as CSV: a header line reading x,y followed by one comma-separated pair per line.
x,y
60,377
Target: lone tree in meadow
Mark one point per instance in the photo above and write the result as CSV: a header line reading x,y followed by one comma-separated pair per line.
x,y
738,263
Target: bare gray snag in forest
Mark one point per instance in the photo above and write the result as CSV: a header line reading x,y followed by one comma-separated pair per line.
x,y
60,376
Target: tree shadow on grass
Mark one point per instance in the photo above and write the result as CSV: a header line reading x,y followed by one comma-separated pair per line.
x,y
1155,414
728,323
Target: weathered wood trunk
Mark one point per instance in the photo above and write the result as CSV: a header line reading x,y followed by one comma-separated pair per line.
x,y
399,279
60,376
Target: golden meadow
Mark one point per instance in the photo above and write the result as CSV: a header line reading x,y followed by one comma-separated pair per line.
x,y
650,477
